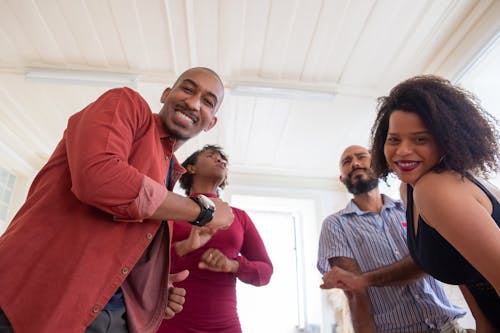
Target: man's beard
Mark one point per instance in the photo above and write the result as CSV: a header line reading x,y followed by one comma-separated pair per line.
x,y
171,129
177,135
361,186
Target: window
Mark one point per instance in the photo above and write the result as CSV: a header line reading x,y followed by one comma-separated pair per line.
x,y
7,181
278,305
292,303
483,79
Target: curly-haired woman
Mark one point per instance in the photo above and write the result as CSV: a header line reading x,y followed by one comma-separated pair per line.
x,y
439,141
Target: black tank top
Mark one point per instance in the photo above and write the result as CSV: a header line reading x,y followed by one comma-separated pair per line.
x,y
438,258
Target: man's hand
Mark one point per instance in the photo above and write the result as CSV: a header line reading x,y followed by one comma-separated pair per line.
x,y
216,261
223,217
176,296
342,279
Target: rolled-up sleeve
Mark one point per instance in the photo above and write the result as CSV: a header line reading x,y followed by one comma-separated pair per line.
x,y
332,243
151,195
99,141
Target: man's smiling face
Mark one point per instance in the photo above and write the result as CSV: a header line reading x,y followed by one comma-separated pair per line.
x,y
189,106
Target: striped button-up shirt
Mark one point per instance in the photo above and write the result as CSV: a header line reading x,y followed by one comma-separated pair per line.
x,y
376,240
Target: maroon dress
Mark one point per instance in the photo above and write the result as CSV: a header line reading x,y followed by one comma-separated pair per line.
x,y
211,296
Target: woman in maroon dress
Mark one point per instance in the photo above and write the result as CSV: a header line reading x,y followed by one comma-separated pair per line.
x,y
215,259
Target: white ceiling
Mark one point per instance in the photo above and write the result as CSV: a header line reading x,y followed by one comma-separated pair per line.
x,y
355,49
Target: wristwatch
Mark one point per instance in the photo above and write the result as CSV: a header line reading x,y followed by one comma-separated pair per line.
x,y
207,210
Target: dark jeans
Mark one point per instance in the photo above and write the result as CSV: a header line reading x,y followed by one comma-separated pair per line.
x,y
106,322
5,326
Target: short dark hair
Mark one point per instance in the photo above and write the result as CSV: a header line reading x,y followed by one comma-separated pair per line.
x,y
186,180
214,73
211,71
465,134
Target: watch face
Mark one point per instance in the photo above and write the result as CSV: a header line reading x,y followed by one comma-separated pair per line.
x,y
207,210
206,202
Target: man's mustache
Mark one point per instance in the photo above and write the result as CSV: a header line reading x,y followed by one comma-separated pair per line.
x,y
350,173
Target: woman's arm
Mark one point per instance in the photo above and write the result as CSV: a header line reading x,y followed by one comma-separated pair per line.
x,y
359,302
482,323
456,208
255,266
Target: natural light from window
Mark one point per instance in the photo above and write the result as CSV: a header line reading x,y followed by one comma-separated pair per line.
x,y
483,79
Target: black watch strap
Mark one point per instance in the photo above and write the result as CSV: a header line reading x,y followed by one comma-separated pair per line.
x,y
206,213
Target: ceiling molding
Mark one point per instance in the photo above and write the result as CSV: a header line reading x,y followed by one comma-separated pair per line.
x,y
328,88
92,78
475,33
292,182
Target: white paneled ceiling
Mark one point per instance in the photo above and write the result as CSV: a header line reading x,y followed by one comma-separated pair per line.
x,y
354,50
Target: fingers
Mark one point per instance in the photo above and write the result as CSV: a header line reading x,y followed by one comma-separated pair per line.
x,y
210,256
207,230
328,283
342,279
169,313
331,280
177,295
223,217
214,260
331,284
176,299
178,277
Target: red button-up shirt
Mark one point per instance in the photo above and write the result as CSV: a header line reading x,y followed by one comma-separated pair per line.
x,y
82,232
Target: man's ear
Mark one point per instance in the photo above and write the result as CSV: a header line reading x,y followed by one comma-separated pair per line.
x,y
165,94
212,124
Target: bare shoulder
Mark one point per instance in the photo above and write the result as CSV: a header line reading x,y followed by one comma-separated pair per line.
x,y
434,192
434,184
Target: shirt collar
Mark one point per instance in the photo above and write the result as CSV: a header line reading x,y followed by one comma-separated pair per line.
x,y
168,141
209,195
161,128
165,137
389,203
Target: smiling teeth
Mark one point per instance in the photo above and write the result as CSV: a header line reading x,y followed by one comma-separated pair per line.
x,y
407,164
182,115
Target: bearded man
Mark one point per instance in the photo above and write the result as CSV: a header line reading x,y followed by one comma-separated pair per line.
x,y
363,250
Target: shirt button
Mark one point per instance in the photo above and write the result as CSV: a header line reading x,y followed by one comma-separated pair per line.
x,y
95,309
124,270
149,235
